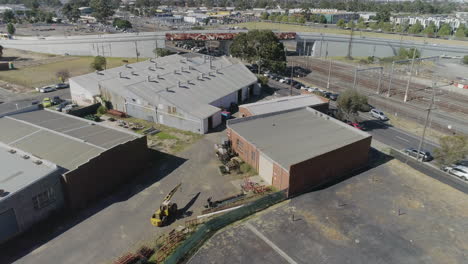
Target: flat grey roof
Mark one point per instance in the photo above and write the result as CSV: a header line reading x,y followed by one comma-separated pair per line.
x,y
284,103
65,140
291,137
17,172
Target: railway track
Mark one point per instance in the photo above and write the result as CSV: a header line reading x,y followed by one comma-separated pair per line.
x,y
418,93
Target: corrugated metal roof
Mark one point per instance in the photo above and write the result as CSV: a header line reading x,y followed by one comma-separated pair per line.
x,y
176,79
283,103
295,136
62,139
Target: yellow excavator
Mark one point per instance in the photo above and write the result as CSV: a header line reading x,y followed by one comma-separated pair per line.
x,y
167,210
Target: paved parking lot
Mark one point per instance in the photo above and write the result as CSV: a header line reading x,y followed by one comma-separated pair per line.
x,y
389,214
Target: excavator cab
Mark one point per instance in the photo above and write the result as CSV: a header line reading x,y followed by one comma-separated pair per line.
x,y
167,210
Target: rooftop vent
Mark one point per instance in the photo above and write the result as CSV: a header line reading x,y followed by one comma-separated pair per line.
x,y
167,89
3,193
26,157
181,69
157,76
183,61
178,83
12,151
127,66
99,73
151,60
155,65
134,73
191,68
38,162
149,78
175,71
120,75
150,68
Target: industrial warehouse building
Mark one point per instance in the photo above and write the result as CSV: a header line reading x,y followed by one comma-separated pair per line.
x,y
299,149
187,93
30,190
283,104
91,158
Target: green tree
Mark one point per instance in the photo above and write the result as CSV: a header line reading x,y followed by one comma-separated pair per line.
x,y
301,20
445,30
11,29
361,25
62,75
341,23
160,52
261,47
430,29
374,26
264,16
284,19
350,102
386,26
383,16
416,52
461,31
452,149
121,23
465,59
351,24
99,63
360,20
399,28
102,9
416,28
402,53
8,16
71,12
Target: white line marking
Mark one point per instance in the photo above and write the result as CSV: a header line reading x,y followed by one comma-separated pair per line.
x,y
21,138
402,138
271,244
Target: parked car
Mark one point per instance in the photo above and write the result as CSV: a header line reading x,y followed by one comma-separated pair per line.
x,y
458,170
46,102
56,100
376,113
423,155
62,105
46,89
334,96
327,94
62,85
69,107
357,125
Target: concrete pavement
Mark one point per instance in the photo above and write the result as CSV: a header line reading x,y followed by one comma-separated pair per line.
x,y
120,223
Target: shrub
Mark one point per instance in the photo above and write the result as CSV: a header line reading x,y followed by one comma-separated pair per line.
x,y
101,110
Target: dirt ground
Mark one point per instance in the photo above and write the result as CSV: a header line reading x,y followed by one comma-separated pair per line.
x,y
389,214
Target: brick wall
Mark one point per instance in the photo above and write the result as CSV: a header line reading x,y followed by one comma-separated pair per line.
x,y
281,177
329,166
105,172
247,152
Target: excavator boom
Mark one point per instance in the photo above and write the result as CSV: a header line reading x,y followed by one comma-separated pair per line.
x,y
168,197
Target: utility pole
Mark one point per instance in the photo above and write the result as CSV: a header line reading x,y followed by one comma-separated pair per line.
x,y
427,119
380,80
391,77
350,43
292,76
136,51
355,77
329,74
411,75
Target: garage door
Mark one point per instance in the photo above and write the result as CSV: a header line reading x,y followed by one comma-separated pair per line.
x,y
8,225
265,168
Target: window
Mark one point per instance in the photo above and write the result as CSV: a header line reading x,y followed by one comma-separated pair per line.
x,y
44,199
171,109
240,145
253,155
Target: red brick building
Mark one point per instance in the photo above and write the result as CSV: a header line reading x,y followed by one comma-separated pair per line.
x,y
298,149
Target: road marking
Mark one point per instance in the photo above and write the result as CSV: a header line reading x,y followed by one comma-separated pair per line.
x,y
271,244
402,138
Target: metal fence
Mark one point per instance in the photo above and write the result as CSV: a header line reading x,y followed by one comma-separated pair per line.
x,y
206,230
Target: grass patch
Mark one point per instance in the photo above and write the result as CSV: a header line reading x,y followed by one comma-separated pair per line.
x,y
44,74
169,140
165,135
415,128
301,28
